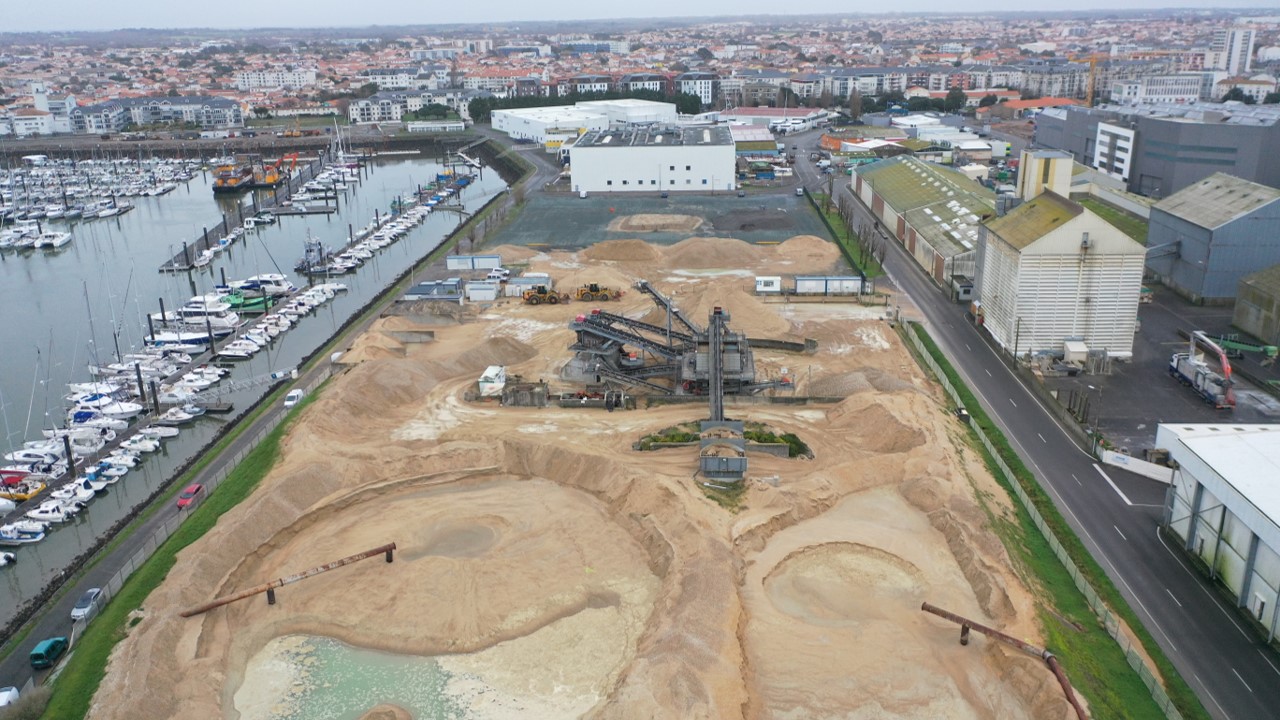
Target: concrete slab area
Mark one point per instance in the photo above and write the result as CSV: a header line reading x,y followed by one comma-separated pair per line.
x,y
1128,404
568,222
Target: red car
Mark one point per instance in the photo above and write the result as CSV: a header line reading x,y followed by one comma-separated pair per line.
x,y
189,495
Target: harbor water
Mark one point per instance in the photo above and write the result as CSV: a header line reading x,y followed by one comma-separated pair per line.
x,y
66,309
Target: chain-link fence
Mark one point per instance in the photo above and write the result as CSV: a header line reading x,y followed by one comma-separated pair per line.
x,y
1109,620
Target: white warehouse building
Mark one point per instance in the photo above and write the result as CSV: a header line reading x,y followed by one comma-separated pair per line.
x,y
543,123
654,159
1224,506
632,111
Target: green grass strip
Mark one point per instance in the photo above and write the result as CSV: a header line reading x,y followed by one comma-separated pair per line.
x,y
87,666
846,237
1131,225
1094,662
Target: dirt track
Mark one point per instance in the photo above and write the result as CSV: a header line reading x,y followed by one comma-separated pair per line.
x,y
555,572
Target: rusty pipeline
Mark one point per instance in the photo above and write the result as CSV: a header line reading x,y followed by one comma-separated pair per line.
x,y
269,587
966,625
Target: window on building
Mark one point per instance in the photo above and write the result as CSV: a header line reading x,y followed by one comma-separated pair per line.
x,y
688,182
688,167
653,182
624,182
671,182
672,168
608,182
704,181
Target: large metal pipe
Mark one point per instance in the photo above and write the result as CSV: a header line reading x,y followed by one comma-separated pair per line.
x,y
966,625
386,550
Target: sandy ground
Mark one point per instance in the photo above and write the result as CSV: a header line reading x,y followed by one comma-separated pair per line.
x,y
557,573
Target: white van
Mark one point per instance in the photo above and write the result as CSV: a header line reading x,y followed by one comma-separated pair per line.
x,y
293,398
498,274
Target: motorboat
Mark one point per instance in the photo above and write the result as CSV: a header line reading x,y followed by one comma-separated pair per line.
x,y
141,444
26,526
91,388
7,558
95,419
7,505
93,483
187,340
175,416
119,458
51,511
273,284
11,537
239,350
29,456
82,433
202,311
158,432
73,493
116,409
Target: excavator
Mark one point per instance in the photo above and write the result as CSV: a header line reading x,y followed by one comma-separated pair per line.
x,y
1236,349
274,174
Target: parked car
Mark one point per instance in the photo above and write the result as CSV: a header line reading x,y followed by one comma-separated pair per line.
x,y
293,398
87,605
799,192
189,495
8,696
47,652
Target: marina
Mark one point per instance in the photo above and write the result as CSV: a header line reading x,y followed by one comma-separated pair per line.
x,y
105,293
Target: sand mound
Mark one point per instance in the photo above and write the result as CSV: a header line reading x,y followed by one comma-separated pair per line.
x,y
653,222
623,251
713,252
746,313
611,277
512,253
808,254
876,427
387,712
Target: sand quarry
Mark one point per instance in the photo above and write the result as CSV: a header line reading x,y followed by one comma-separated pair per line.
x,y
555,572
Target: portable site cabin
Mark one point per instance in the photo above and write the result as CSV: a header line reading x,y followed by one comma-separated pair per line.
x,y
828,285
493,381
482,291
473,262
768,284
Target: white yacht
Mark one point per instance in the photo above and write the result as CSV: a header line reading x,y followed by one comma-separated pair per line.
x,y
202,311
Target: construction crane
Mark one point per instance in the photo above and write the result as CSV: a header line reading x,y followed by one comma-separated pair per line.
x,y
1093,74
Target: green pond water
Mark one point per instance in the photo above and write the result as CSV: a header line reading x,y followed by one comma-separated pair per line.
x,y
341,682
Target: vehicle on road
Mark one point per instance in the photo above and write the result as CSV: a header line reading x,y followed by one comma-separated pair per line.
x,y
47,652
293,398
799,192
190,494
8,696
87,606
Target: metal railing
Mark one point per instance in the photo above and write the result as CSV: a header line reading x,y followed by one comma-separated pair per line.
x,y
1128,645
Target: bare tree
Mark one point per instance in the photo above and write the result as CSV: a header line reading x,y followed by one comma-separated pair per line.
x,y
855,103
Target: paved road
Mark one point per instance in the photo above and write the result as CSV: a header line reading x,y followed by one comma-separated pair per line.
x,y
1115,514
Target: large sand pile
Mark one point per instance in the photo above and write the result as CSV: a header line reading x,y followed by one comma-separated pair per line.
x,y
623,250
552,571
655,222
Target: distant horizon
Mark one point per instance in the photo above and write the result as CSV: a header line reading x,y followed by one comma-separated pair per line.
x,y
156,16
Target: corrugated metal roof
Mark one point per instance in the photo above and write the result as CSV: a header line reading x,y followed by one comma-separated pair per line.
x,y
907,183
1034,219
1267,280
1217,200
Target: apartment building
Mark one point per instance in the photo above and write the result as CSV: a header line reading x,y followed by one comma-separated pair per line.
x,y
274,79
1231,50
1175,88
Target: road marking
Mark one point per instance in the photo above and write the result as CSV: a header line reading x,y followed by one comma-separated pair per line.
x,y
966,345
1242,682
990,375
1011,402
1268,661
1112,484
1121,534
1199,583
1211,697
1174,598
1073,477
1046,442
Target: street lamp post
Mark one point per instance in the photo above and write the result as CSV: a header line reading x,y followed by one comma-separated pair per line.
x,y
1017,336
1096,419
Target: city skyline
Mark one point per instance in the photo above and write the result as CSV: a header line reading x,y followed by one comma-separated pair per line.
x,y
87,16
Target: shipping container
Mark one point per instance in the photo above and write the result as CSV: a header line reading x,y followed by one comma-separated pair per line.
x,y
473,262
828,285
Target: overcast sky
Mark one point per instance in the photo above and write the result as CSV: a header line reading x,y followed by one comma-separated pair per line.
x,y
27,15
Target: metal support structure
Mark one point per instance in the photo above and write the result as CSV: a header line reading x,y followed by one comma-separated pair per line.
x,y
269,587
966,625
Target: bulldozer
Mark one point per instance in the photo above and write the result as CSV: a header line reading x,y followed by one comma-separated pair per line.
x,y
592,291
540,294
